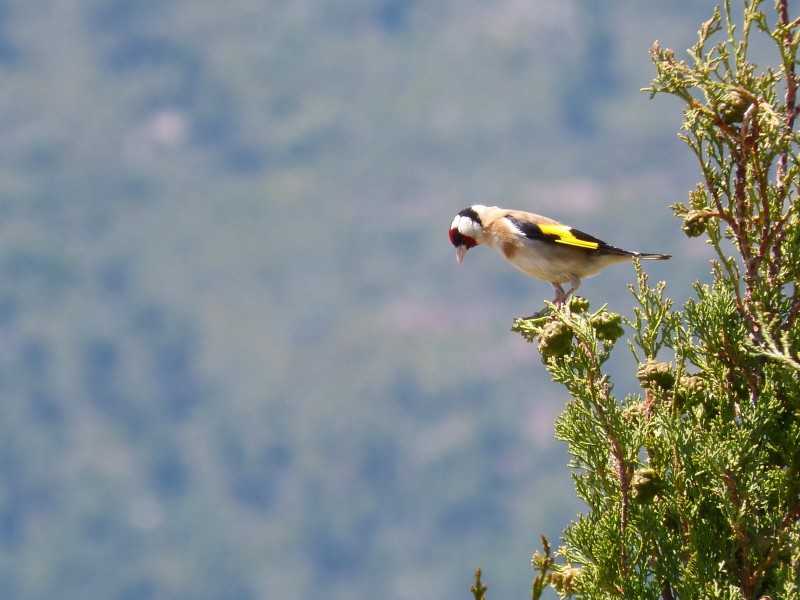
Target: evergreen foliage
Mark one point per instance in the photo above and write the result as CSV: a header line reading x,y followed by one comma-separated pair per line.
x,y
692,485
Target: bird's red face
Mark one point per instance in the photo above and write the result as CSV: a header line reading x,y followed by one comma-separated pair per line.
x,y
465,231
462,243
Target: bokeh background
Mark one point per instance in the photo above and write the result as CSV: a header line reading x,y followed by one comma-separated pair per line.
x,y
237,359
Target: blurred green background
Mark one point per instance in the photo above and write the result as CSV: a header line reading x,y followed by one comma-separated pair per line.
x,y
237,359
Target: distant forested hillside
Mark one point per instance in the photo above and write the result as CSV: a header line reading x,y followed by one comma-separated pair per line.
x,y
237,359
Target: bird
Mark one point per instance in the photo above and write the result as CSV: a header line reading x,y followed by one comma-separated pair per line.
x,y
540,247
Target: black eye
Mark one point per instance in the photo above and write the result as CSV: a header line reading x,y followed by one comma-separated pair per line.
x,y
459,239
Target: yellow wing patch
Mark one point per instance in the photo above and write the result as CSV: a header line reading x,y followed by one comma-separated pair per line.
x,y
565,235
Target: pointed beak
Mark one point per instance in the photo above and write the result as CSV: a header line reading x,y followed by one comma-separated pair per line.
x,y
461,251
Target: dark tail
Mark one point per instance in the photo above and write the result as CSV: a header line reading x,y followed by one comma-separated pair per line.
x,y
609,249
645,256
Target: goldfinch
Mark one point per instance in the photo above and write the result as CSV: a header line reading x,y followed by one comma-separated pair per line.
x,y
539,247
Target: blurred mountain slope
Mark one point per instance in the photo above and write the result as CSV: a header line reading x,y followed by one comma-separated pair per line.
x,y
237,359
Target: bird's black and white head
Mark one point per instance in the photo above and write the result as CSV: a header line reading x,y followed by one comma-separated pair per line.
x,y
466,231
